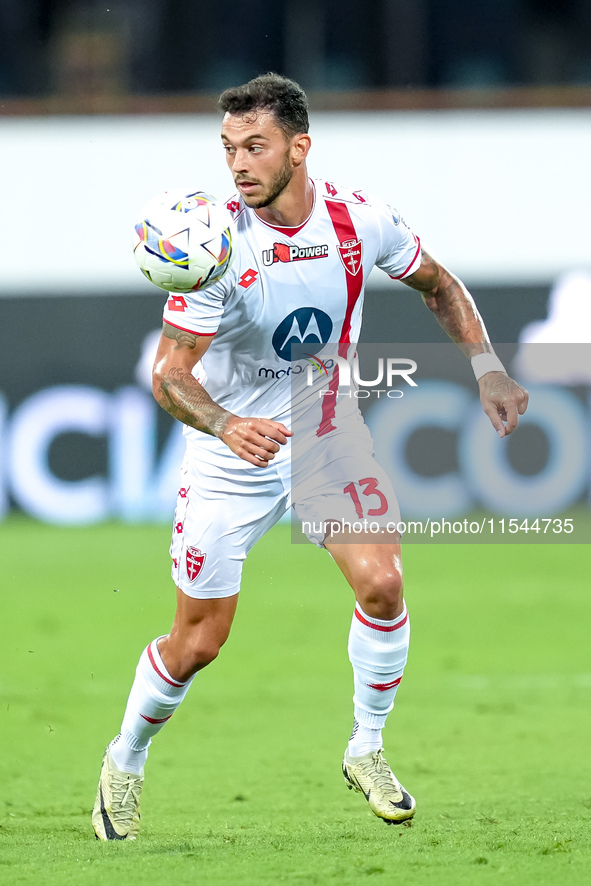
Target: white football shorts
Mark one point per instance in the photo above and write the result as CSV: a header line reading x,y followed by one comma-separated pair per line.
x,y
225,506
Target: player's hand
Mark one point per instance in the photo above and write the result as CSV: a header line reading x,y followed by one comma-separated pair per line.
x,y
503,400
256,440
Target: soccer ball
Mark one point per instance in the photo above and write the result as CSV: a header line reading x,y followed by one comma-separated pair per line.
x,y
183,241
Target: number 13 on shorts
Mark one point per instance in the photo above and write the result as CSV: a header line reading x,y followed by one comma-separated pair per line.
x,y
367,487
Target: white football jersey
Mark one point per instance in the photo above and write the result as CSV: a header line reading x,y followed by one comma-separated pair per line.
x,y
289,286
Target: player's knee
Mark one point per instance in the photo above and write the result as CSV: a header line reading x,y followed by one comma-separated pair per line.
x,y
202,652
379,592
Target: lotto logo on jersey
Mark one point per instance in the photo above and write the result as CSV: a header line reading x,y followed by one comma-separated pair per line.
x,y
283,252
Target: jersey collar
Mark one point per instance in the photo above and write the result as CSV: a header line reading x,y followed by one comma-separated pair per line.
x,y
291,231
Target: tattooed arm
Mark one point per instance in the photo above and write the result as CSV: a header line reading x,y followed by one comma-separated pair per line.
x,y
503,400
176,389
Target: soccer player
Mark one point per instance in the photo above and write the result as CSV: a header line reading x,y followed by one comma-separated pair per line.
x,y
304,251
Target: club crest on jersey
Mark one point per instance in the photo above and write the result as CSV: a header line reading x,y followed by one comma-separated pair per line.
x,y
351,252
285,253
194,561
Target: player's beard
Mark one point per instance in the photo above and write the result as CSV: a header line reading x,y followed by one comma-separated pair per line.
x,y
277,185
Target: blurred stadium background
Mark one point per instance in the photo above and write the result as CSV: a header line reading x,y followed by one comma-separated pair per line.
x,y
472,119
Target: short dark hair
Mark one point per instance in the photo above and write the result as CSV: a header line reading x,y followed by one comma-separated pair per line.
x,y
270,92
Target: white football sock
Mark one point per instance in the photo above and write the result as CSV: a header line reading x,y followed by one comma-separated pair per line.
x,y
125,758
364,740
153,699
378,651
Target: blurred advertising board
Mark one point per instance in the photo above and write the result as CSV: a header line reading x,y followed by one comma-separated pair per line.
x,y
82,439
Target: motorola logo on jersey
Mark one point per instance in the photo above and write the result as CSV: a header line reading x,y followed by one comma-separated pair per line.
x,y
305,326
284,253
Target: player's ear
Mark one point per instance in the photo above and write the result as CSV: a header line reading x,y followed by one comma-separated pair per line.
x,y
299,148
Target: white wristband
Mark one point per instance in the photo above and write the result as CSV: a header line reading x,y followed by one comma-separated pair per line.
x,y
487,362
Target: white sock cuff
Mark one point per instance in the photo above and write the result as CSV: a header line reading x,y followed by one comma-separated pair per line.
x,y
158,673
379,624
369,720
126,740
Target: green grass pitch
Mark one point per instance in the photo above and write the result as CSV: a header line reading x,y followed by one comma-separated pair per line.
x,y
491,730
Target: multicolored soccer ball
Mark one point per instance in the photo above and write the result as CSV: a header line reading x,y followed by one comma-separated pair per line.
x,y
183,240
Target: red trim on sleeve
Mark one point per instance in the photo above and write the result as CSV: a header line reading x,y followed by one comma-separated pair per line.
x,y
184,329
385,628
400,276
152,720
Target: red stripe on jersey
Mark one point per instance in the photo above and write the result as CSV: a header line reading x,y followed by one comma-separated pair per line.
x,y
414,258
329,405
184,329
151,719
345,230
386,628
159,672
383,687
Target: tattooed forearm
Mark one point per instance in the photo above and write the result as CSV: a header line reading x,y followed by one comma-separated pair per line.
x,y
180,394
183,339
457,314
175,387
452,304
